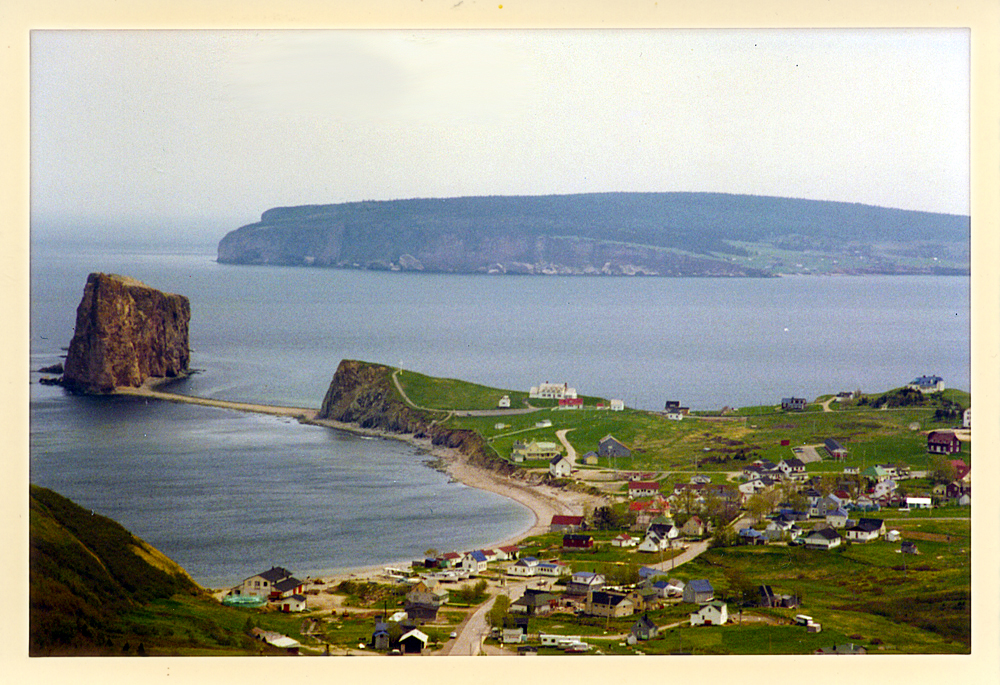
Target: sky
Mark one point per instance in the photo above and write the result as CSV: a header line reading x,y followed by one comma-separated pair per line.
x,y
196,133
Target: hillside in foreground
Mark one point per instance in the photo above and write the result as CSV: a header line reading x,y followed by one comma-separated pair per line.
x,y
626,234
92,584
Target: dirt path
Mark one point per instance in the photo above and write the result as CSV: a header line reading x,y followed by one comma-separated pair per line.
x,y
301,413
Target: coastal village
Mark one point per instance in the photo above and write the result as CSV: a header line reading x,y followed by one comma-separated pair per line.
x,y
618,570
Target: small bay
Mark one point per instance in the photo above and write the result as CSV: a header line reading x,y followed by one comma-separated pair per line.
x,y
226,494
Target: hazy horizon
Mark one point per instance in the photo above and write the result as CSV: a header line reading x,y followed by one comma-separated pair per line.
x,y
199,132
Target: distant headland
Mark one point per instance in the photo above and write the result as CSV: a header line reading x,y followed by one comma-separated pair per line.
x,y
609,234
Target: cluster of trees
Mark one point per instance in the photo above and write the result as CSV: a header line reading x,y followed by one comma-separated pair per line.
x,y
469,594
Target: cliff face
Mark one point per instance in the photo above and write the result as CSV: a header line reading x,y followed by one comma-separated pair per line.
x,y
616,234
364,394
125,333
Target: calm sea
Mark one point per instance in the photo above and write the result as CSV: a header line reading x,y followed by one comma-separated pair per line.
x,y
227,494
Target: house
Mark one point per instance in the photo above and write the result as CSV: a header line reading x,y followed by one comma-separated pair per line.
x,y
427,592
712,614
590,458
380,637
276,640
534,602
449,560
792,468
566,524
617,405
262,584
883,489
749,536
663,527
694,527
577,541
675,415
865,529
918,502
927,384
908,547
943,442
766,597
560,467
413,642
584,582
698,592
508,552
523,567
834,449
624,540
644,628
892,535
571,403
837,518
292,603
609,446
963,472
653,543
474,562
512,636
504,402
825,538
609,604
645,597
643,488
546,568
967,418
286,588
535,450
552,391
793,403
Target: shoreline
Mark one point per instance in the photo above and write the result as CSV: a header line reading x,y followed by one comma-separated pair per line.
x,y
542,501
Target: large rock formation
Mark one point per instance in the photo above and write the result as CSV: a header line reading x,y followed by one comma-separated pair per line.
x,y
125,333
364,394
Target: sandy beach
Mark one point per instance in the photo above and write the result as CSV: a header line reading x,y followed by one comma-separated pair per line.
x,y
543,501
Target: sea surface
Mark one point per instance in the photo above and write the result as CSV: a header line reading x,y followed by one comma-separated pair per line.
x,y
228,494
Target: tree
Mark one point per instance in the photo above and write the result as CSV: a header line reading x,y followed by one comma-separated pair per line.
x,y
498,611
739,588
942,470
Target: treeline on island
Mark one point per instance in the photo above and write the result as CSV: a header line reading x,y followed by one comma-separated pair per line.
x,y
665,234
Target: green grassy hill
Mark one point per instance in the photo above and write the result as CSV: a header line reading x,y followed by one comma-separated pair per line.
x,y
96,589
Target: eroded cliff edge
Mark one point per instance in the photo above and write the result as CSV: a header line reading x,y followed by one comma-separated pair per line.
x,y
126,332
364,394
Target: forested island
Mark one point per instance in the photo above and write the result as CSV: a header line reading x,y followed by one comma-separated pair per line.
x,y
618,234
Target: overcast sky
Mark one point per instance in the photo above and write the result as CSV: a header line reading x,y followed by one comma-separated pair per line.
x,y
206,129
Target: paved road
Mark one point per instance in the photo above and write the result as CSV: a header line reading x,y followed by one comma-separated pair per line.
x,y
475,628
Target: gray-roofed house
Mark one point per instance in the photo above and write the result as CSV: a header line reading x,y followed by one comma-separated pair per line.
x,y
698,591
609,446
835,449
560,466
865,529
824,538
644,628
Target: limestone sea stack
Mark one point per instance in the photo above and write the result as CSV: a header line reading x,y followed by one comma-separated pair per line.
x,y
126,332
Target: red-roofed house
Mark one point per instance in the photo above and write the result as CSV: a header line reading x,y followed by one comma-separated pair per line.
x,y
566,524
943,442
643,488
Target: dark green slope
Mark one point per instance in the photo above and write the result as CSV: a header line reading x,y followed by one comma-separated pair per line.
x,y
86,572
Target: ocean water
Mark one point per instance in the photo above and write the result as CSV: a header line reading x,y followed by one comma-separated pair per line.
x,y
226,494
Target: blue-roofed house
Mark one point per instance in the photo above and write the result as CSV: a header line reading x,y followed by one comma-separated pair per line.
x,y
583,582
380,637
475,562
698,591
927,384
750,536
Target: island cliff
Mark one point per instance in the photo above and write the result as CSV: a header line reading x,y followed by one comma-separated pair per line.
x,y
606,234
364,394
125,333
